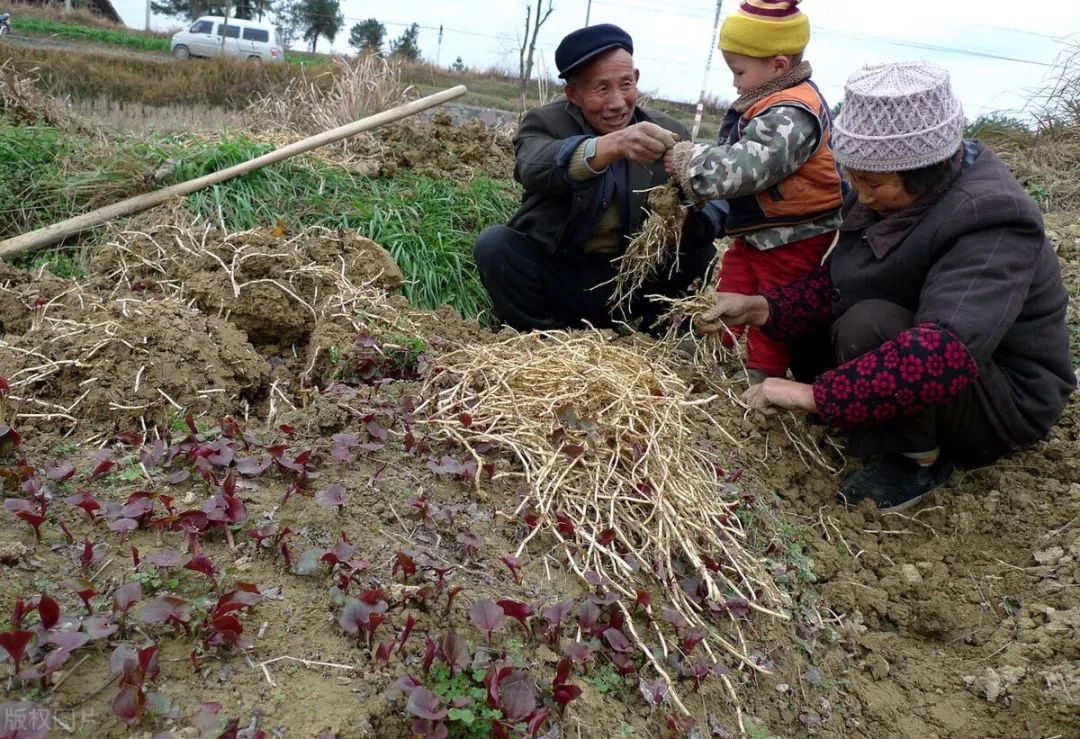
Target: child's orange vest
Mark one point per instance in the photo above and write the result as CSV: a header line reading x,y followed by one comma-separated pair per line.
x,y
812,192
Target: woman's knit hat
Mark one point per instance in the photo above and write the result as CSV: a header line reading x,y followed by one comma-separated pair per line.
x,y
764,28
897,117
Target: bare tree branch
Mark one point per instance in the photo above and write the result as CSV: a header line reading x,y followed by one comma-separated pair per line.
x,y
528,44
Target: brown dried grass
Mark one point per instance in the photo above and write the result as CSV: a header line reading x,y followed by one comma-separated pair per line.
x,y
22,101
351,89
1048,162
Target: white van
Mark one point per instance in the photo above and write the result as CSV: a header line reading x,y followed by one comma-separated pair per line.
x,y
245,39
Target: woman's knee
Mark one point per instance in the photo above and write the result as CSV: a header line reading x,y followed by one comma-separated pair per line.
x,y
868,324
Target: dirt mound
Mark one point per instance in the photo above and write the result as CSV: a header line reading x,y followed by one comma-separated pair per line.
x,y
440,149
119,364
270,287
20,291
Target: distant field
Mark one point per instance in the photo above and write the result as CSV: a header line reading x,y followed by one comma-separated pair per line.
x,y
178,86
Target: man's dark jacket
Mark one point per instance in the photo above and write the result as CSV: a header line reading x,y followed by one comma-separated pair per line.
x,y
978,263
560,213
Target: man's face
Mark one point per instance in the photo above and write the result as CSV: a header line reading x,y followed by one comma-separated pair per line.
x,y
606,91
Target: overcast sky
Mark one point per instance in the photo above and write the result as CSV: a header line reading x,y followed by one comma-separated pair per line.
x,y
672,39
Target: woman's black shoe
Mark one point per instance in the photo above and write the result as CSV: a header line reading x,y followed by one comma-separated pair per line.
x,y
894,483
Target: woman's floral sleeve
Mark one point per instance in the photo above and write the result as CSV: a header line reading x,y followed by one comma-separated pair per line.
x,y
799,308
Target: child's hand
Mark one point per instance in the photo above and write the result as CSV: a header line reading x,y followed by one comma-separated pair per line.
x,y
669,162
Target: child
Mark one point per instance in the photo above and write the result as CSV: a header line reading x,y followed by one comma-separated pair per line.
x,y
772,162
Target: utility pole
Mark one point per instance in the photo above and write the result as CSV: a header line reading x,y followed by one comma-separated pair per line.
x,y
705,77
588,11
146,27
438,49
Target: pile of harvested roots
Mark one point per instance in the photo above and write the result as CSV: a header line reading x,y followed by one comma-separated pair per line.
x,y
613,471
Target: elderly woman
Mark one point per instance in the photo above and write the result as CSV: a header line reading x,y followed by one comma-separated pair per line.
x,y
941,304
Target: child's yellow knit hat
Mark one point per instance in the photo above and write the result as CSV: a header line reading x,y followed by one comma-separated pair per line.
x,y
764,28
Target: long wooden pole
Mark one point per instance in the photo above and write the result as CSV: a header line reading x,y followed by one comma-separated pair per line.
x,y
49,235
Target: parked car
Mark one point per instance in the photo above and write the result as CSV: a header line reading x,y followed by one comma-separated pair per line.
x,y
212,35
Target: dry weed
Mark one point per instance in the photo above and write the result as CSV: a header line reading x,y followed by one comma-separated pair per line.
x,y
24,103
613,471
1048,162
358,86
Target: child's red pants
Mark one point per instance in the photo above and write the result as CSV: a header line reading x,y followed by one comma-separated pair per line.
x,y
748,271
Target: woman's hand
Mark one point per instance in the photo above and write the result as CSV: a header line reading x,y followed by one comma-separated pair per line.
x,y
733,309
776,394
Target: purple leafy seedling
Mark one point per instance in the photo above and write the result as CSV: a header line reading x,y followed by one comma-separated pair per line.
x,y
202,564
431,648
517,696
425,705
561,691
450,595
675,619
470,542
125,597
410,623
384,650
59,471
446,466
104,464
617,641
520,612
84,500
85,590
332,496
87,556
455,651
404,564
26,511
588,616
556,615
737,608
14,642
252,466
580,652
48,611
691,638
513,565
164,558
488,617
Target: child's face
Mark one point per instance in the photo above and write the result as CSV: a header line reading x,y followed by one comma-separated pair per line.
x,y
881,192
750,72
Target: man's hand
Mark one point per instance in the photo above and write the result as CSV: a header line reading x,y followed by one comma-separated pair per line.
x,y
733,309
776,394
642,143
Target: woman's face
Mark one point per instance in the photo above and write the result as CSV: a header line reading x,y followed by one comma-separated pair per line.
x,y
882,192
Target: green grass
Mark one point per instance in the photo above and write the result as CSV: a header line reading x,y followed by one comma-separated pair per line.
x,y
91,34
427,225
129,39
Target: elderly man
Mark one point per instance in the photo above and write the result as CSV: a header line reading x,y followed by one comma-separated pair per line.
x,y
585,163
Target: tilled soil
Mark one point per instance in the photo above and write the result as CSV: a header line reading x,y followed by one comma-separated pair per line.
x,y
959,618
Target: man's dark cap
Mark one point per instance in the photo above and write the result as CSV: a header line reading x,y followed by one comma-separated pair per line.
x,y
585,44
